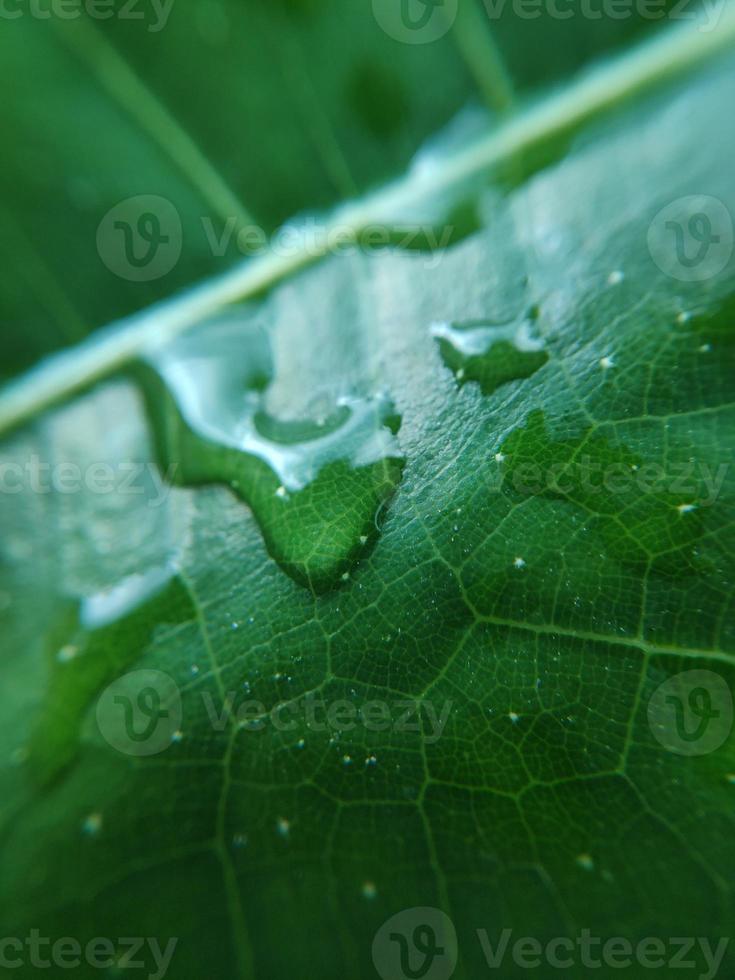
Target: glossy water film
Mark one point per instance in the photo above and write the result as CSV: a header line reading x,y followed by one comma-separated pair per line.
x,y
491,354
314,486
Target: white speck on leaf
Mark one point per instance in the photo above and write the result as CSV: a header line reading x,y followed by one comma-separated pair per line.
x,y
67,653
92,824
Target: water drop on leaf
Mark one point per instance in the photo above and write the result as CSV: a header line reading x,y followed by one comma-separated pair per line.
x,y
490,354
314,486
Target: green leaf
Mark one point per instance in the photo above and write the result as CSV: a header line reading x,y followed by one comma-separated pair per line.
x,y
508,496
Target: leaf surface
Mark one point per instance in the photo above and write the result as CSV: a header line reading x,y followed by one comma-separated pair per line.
x,y
501,582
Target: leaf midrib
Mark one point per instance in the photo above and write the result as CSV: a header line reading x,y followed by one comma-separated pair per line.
x,y
676,51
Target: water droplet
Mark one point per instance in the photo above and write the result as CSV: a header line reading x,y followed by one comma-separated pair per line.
x,y
490,354
92,824
314,489
283,827
369,890
585,862
67,653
